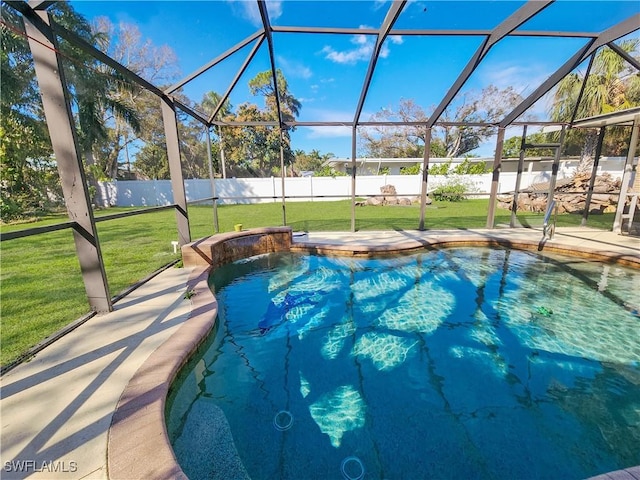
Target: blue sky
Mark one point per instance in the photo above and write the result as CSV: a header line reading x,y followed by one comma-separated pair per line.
x,y
326,72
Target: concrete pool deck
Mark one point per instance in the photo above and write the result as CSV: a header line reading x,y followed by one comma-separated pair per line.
x,y
91,404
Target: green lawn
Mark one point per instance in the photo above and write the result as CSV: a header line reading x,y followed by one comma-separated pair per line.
x,y
42,288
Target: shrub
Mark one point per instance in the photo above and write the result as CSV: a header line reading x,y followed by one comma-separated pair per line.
x,y
454,189
441,169
327,171
450,192
412,170
466,167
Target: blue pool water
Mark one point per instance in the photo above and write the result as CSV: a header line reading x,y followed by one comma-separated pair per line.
x,y
459,363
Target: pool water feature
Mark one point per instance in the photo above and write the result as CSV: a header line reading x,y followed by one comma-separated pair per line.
x,y
458,363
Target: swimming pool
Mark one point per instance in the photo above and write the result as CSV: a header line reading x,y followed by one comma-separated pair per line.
x,y
466,362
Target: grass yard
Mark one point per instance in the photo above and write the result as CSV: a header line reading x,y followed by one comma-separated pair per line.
x,y
42,288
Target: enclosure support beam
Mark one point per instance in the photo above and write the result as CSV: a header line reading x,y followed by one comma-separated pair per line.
x,y
524,13
624,54
392,15
236,79
282,175
215,61
57,110
175,169
264,15
353,180
222,158
592,59
554,169
425,176
216,226
516,193
626,176
497,166
592,180
617,31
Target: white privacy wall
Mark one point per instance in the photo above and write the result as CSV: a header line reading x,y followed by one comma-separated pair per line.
x,y
145,193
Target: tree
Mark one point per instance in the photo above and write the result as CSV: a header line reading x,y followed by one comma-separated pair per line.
x,y
97,91
487,106
262,84
193,147
395,141
210,102
152,162
511,146
125,44
312,161
255,150
151,159
612,85
28,178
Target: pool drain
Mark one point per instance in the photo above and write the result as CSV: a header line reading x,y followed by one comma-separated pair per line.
x,y
283,420
352,468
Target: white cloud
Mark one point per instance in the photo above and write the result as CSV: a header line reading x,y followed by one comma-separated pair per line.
x,y
249,10
523,79
364,45
329,116
294,69
329,132
351,56
274,7
378,4
359,39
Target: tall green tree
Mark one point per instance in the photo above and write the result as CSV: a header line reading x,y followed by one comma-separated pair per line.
x,y
209,103
100,96
151,160
262,85
96,91
255,150
612,85
312,161
511,146
28,176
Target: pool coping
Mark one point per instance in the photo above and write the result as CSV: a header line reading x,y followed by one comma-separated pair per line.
x,y
138,442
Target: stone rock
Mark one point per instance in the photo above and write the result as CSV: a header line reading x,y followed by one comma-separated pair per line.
x,y
388,190
570,195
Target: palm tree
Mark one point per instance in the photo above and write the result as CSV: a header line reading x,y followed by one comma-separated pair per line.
x,y
100,95
263,84
612,85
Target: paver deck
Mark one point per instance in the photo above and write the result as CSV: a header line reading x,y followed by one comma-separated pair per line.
x,y
56,410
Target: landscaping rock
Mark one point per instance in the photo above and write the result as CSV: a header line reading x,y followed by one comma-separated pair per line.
x,y
390,197
570,195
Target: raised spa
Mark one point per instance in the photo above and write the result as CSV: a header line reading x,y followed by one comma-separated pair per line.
x,y
457,363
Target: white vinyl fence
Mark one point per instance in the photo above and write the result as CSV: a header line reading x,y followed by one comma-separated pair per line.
x,y
255,190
